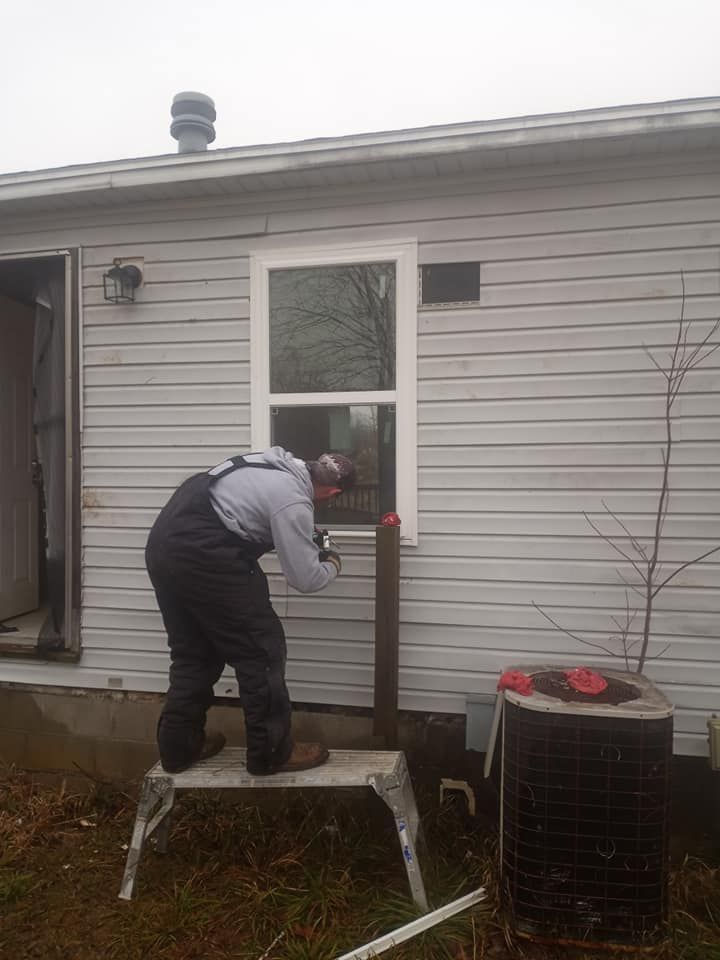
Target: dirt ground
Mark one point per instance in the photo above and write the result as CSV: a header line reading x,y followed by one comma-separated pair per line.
x,y
314,877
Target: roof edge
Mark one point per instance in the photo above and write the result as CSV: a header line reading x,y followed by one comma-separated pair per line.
x,y
413,143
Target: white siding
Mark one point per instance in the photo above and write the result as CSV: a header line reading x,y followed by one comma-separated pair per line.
x,y
533,406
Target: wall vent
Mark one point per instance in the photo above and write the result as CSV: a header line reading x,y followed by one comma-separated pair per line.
x,y
449,284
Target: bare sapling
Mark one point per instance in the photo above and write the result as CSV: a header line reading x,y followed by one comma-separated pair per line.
x,y
644,554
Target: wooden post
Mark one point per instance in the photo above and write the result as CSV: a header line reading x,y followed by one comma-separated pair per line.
x,y
387,632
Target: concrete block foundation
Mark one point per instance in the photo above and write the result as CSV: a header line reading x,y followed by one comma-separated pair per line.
x,y
110,734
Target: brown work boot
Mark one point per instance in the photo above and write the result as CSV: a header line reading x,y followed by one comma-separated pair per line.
x,y
212,744
304,756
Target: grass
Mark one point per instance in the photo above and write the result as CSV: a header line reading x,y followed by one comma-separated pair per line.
x,y
308,878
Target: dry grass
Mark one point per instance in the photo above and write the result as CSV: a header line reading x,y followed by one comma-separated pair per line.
x,y
324,877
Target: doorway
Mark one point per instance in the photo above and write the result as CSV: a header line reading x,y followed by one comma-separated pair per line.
x,y
39,442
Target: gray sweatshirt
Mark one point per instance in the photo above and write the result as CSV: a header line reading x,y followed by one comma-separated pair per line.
x,y
275,506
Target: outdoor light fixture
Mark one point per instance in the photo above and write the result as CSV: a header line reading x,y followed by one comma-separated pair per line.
x,y
120,283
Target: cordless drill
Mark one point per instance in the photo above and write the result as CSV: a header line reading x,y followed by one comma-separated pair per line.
x,y
325,544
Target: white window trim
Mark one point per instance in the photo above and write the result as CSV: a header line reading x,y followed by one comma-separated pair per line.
x,y
404,254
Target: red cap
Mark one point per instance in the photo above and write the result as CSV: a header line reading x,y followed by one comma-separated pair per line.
x,y
390,520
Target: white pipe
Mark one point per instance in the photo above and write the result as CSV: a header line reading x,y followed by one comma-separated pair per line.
x,y
415,927
490,752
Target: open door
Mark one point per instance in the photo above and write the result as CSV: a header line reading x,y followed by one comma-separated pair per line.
x,y
19,571
39,454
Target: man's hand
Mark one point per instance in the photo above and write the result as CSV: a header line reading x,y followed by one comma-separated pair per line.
x,y
333,557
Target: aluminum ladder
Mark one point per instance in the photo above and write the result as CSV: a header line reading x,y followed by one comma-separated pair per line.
x,y
384,771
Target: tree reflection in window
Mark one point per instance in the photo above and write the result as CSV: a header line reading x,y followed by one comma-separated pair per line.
x,y
332,328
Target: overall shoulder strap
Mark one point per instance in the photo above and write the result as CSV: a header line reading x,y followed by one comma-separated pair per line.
x,y
235,463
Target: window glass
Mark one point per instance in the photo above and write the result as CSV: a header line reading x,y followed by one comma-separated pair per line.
x,y
366,434
332,328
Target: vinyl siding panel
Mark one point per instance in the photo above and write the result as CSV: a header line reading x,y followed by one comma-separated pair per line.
x,y
535,405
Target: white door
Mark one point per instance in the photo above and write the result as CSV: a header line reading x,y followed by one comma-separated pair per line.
x,y
19,579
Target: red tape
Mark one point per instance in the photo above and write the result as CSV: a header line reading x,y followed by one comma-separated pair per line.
x,y
516,680
585,680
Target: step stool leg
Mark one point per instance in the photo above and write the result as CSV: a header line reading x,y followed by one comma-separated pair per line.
x,y
412,867
148,801
398,795
410,807
162,830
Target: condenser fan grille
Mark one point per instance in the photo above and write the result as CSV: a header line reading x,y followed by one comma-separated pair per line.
x,y
585,824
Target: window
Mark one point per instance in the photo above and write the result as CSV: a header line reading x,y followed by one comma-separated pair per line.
x,y
334,368
449,284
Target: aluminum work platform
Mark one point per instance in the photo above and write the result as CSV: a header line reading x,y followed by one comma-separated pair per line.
x,y
385,771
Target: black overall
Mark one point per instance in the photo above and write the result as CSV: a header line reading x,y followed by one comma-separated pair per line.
x,y
214,601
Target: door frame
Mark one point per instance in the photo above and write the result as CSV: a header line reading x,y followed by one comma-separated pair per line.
x,y
73,428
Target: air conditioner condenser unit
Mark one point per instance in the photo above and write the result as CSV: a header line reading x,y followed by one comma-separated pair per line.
x,y
585,809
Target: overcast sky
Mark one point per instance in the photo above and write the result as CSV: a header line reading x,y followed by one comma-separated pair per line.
x,y
85,80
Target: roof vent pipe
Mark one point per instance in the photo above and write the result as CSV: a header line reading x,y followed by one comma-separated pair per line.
x,y
193,115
